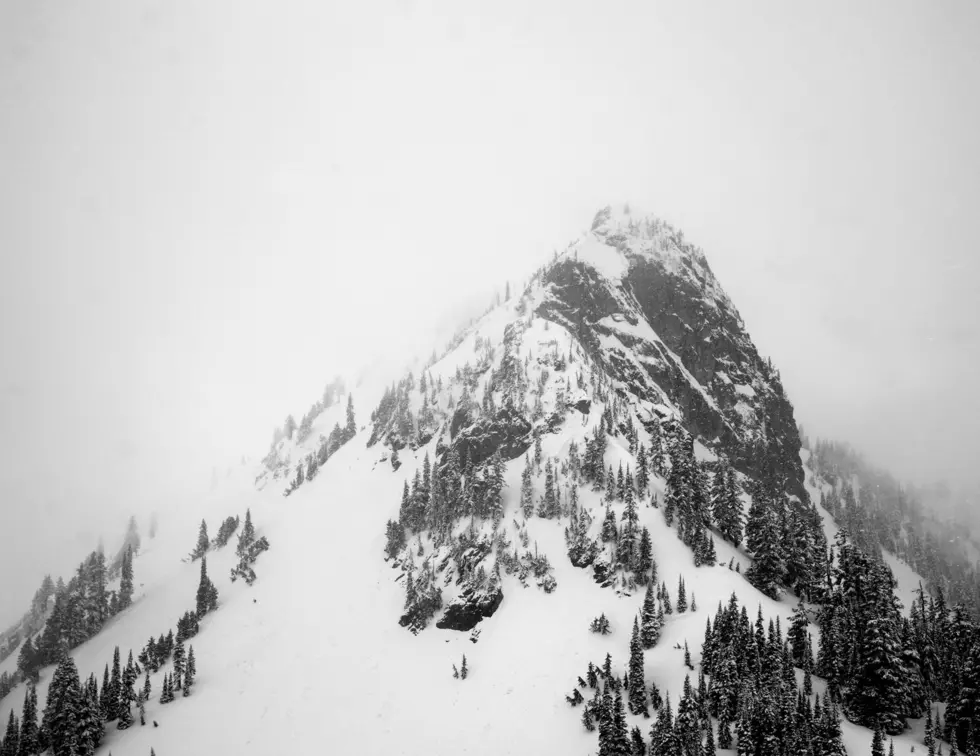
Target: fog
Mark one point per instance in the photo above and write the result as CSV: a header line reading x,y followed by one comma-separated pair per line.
x,y
207,209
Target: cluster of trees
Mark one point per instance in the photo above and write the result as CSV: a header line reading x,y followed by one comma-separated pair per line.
x,y
77,711
440,495
882,666
423,596
80,610
226,531
746,698
331,392
394,420
248,550
882,514
308,467
207,592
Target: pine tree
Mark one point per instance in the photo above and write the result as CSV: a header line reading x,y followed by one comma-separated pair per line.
x,y
797,635
681,596
180,659
768,570
350,429
637,684
207,593
11,739
527,489
247,536
650,632
29,737
203,542
190,672
463,669
126,584
608,532
63,709
727,508
114,691
167,692
877,743
709,741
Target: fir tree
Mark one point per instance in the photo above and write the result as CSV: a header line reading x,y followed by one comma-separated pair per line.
x,y
207,593
637,684
63,709
203,542
126,583
114,691
650,631
527,489
11,739
190,672
180,659
769,568
29,737
638,746
877,743
247,536
681,596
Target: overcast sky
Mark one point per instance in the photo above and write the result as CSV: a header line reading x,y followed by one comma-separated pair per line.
x,y
207,209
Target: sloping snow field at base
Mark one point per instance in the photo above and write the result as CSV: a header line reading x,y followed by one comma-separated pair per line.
x,y
312,659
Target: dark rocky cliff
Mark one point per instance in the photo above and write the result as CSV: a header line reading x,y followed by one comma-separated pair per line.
x,y
667,330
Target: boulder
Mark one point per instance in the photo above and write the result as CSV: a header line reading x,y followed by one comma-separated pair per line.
x,y
469,608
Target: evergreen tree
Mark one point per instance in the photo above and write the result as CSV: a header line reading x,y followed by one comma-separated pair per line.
x,y
650,631
63,709
190,672
646,565
681,596
798,636
114,689
727,508
126,584
394,539
167,692
203,542
247,536
637,684
11,739
527,489
29,737
180,658
207,593
769,568
350,429
638,746
877,743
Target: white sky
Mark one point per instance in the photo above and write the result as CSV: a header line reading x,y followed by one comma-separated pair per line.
x,y
208,208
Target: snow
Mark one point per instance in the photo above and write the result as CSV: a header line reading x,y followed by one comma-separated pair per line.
x,y
607,260
744,390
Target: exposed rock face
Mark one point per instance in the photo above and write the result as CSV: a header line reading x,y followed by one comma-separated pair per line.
x,y
507,431
664,327
469,608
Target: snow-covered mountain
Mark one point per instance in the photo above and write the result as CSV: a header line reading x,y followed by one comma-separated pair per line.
x,y
494,506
